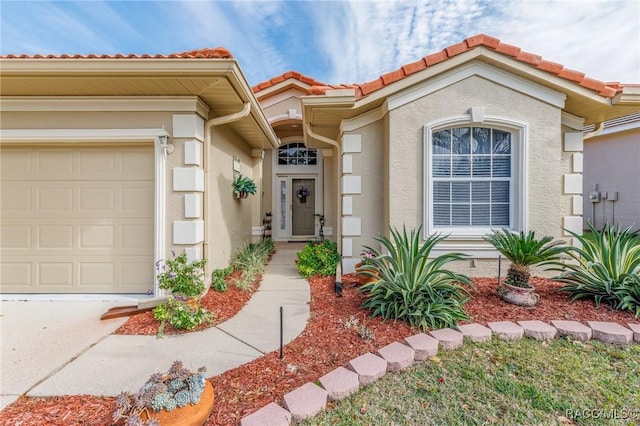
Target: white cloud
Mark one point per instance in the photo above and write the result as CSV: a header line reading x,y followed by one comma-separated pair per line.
x,y
599,38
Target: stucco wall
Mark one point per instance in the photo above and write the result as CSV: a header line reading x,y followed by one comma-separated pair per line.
x,y
229,220
547,162
613,163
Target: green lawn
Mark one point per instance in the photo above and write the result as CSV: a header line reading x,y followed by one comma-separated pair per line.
x,y
524,382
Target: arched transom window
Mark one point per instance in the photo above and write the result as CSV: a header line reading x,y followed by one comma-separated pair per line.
x,y
296,154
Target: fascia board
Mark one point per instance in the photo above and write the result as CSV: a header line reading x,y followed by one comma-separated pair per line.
x,y
483,70
105,103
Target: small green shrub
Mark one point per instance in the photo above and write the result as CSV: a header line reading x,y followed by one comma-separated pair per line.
x,y
218,279
413,288
606,268
180,315
318,258
251,260
182,277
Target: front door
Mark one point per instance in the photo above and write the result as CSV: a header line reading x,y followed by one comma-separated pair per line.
x,y
303,207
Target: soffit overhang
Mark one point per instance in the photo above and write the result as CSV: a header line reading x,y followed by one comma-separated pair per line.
x,y
218,83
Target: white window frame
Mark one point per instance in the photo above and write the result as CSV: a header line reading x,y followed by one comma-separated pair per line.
x,y
518,181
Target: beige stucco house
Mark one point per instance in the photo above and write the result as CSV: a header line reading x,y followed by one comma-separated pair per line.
x,y
109,163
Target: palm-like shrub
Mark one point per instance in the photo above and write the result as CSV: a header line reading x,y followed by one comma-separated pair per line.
x,y
607,268
524,251
410,286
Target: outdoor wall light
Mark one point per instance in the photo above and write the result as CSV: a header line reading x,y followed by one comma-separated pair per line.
x,y
165,143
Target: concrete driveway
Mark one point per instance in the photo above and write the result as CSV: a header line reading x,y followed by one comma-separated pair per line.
x,y
38,338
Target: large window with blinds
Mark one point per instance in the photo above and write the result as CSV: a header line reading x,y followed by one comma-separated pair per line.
x,y
472,178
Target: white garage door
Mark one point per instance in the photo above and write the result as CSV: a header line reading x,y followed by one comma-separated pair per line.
x,y
76,219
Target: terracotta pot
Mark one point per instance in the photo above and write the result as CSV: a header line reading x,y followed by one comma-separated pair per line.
x,y
189,415
521,296
365,279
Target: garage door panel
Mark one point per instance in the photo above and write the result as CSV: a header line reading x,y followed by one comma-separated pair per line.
x,y
55,237
16,200
93,199
134,237
77,221
15,236
97,236
55,274
56,200
54,163
16,164
16,274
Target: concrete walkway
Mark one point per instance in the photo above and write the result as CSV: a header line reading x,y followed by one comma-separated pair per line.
x,y
61,348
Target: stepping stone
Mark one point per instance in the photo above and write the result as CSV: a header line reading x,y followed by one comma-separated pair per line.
x,y
475,332
397,355
449,339
506,330
610,332
340,383
573,329
423,345
305,402
538,330
368,367
271,414
636,331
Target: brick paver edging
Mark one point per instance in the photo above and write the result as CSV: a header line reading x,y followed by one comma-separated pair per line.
x,y
310,399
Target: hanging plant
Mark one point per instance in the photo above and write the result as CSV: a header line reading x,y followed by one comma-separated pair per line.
x,y
243,186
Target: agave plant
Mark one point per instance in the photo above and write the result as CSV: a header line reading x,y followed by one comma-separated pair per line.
x,y
412,287
524,251
606,268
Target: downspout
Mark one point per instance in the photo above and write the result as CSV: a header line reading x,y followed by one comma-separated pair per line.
x,y
209,125
595,132
310,132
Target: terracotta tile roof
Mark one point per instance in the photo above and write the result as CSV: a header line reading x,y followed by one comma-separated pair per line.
x,y
210,53
603,89
287,75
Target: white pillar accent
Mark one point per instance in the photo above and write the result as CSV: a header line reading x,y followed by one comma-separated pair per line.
x,y
159,211
573,184
188,231
351,226
351,184
188,126
351,143
577,206
347,247
193,153
573,224
577,163
193,206
573,142
193,254
347,163
188,179
347,206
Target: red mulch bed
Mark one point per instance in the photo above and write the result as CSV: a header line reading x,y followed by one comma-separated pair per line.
x,y
223,305
324,345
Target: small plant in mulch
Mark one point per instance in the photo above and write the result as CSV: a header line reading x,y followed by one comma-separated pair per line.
x,y
219,279
318,258
183,310
411,285
177,388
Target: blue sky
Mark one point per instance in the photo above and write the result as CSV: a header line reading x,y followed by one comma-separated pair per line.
x,y
331,41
